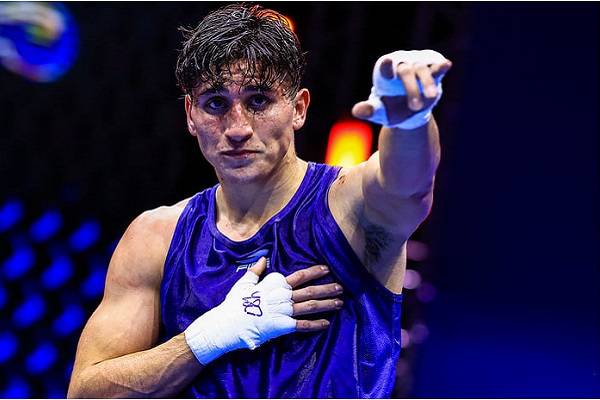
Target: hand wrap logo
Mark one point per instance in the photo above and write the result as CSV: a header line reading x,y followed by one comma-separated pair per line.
x,y
226,327
252,302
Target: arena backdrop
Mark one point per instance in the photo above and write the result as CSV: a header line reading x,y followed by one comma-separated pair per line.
x,y
502,289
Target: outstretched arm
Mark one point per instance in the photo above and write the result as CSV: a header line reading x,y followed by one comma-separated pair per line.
x,y
378,204
397,181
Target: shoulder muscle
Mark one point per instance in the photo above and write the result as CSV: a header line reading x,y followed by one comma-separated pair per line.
x,y
139,257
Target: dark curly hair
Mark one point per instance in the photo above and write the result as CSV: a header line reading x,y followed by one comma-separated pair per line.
x,y
260,38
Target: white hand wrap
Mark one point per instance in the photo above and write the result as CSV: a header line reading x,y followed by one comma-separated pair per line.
x,y
250,315
393,87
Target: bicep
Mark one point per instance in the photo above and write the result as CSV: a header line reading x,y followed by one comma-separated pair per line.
x,y
127,319
121,325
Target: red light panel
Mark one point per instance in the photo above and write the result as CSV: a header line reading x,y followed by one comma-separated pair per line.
x,y
349,144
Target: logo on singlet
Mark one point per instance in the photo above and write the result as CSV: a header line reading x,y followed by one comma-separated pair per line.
x,y
251,304
251,259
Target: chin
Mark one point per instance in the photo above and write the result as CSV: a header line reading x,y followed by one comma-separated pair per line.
x,y
243,175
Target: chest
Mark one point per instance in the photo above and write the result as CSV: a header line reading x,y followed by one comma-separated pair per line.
x,y
211,263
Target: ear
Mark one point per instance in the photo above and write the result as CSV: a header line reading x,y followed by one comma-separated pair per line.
x,y
188,112
301,102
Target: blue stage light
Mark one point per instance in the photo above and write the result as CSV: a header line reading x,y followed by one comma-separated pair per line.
x,y
19,263
29,311
40,39
10,213
57,273
85,236
70,319
41,358
46,226
17,388
8,346
94,284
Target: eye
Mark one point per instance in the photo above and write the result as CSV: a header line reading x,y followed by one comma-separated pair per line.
x,y
258,102
215,105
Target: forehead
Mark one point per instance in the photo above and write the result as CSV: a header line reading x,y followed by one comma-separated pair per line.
x,y
239,77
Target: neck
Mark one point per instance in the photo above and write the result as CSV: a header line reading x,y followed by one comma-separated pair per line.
x,y
243,208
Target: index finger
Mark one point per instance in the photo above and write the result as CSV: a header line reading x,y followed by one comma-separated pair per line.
x,y
307,274
440,69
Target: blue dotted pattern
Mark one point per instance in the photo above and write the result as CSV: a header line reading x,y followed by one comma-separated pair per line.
x,y
52,272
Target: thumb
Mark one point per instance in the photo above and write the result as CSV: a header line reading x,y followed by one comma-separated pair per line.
x,y
362,110
259,267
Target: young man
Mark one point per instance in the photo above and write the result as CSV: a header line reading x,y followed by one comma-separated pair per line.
x,y
187,276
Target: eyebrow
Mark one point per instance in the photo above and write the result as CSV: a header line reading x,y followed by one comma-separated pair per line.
x,y
251,88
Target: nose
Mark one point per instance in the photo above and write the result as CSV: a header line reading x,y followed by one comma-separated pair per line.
x,y
238,128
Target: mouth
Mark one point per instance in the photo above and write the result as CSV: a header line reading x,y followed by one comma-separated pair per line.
x,y
238,153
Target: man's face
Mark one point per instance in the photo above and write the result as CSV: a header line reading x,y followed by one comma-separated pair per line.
x,y
245,132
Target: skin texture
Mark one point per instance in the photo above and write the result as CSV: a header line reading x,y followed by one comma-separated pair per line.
x,y
247,135
258,183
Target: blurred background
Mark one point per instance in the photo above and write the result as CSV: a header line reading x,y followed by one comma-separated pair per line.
x,y
502,292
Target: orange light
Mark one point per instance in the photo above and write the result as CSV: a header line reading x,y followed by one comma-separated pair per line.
x,y
349,143
290,23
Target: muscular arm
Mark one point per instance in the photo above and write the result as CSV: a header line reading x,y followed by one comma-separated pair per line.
x,y
162,371
397,181
115,355
381,202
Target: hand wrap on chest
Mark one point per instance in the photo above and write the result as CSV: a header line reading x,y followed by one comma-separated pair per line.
x,y
251,314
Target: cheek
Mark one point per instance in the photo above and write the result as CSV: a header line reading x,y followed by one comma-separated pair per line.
x,y
208,138
279,132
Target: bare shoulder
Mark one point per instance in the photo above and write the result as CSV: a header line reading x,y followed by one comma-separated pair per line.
x,y
372,236
345,195
140,255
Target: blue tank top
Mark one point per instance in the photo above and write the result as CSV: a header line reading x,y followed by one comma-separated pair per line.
x,y
354,358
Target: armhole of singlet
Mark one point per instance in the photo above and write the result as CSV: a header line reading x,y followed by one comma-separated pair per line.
x,y
343,241
176,239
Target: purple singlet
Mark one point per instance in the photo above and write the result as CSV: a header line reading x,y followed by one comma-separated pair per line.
x,y
355,357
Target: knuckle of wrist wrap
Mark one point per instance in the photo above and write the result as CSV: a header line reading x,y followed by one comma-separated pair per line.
x,y
421,67
276,276
279,295
405,69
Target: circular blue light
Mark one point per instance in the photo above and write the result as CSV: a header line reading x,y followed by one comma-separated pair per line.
x,y
19,263
10,213
29,311
41,358
58,273
39,40
8,346
70,319
46,226
17,388
85,236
